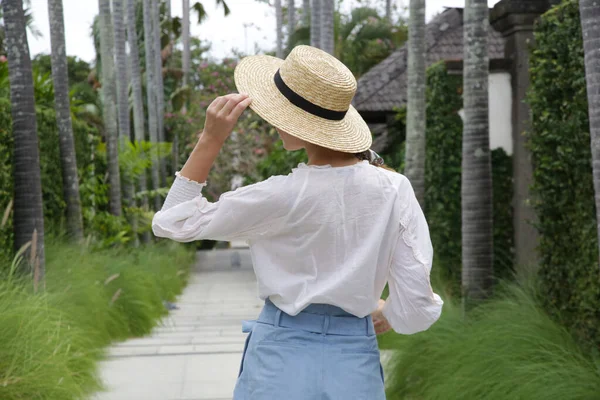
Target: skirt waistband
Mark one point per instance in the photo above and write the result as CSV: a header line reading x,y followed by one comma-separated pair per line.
x,y
318,318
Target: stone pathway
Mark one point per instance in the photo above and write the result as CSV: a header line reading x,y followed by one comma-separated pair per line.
x,y
195,353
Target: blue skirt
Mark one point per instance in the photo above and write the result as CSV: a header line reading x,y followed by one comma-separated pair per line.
x,y
323,353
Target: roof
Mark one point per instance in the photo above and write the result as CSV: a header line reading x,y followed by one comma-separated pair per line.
x,y
383,87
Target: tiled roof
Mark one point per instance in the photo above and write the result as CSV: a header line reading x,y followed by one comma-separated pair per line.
x,y
384,86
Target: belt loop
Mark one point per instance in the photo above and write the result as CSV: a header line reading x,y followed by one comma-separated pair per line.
x,y
277,318
326,321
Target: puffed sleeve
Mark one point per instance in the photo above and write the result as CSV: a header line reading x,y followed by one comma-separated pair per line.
x,y
412,306
246,213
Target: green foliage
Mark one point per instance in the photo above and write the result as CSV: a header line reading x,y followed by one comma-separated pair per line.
x,y
563,185
363,38
443,177
52,341
443,167
509,348
78,69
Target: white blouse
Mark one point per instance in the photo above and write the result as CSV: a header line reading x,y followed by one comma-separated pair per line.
x,y
321,234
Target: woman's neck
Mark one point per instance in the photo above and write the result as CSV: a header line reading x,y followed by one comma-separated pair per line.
x,y
318,155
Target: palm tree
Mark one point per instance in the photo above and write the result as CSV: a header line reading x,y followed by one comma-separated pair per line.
x,y
278,25
415,110
185,39
185,33
590,14
63,119
28,214
159,88
151,95
291,20
122,91
388,10
327,37
109,111
32,29
306,13
476,192
136,89
315,24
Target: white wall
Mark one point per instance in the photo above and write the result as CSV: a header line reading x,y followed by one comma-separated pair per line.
x,y
500,103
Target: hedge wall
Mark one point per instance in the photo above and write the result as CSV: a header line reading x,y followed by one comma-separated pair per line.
x,y
54,205
563,187
443,178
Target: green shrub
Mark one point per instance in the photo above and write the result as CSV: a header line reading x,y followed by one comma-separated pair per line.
x,y
563,186
509,348
50,342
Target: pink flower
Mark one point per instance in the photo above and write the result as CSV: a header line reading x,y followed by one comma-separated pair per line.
x,y
189,120
169,115
215,74
204,65
379,41
211,87
259,151
3,59
203,104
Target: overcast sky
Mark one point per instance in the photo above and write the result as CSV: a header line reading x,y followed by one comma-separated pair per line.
x,y
251,24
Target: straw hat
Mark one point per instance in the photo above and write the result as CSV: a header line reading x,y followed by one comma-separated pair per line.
x,y
307,95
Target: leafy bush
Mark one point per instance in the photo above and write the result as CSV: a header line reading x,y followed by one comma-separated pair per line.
x,y
508,348
563,189
51,342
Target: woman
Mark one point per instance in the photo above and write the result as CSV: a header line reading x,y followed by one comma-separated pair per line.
x,y
324,239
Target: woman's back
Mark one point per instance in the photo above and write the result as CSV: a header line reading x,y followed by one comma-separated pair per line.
x,y
321,235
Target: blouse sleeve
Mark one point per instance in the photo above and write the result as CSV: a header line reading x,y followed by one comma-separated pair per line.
x,y
412,306
246,213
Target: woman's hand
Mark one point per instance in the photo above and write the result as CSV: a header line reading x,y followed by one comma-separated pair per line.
x,y
222,115
381,323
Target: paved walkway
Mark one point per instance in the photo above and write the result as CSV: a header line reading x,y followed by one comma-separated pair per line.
x,y
195,354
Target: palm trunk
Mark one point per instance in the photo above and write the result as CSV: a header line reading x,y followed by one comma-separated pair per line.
x,y
476,192
109,97
590,27
160,91
388,10
138,99
291,22
279,25
315,24
327,38
306,12
28,217
151,96
122,93
185,38
415,118
63,119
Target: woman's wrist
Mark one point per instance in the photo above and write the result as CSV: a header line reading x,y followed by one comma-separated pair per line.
x,y
206,140
202,158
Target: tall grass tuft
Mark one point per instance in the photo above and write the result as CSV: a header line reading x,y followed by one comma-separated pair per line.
x,y
506,349
51,341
